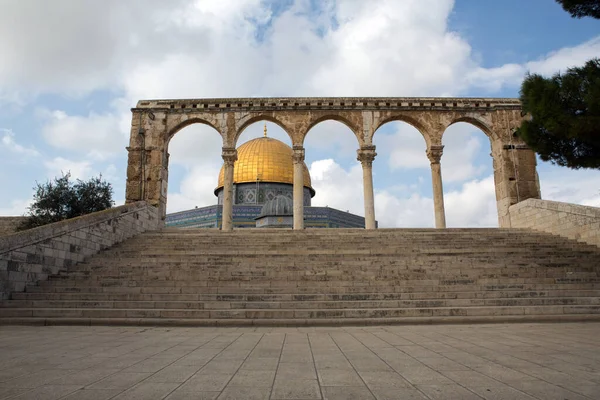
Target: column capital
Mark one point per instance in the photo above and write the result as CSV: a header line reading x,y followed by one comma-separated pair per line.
x,y
229,155
366,155
298,156
434,153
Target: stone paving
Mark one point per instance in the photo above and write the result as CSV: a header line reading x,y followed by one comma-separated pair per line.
x,y
514,361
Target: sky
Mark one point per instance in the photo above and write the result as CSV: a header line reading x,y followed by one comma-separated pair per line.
x,y
70,71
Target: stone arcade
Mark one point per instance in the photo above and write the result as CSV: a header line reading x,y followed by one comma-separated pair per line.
x,y
263,171
155,122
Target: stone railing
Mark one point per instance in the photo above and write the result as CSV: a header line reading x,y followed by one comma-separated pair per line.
x,y
570,220
8,225
30,256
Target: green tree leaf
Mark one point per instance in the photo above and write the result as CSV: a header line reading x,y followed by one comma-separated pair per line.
x,y
62,199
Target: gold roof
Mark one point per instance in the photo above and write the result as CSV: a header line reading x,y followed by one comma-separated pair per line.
x,y
265,160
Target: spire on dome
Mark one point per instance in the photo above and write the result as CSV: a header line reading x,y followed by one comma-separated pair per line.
x,y
265,129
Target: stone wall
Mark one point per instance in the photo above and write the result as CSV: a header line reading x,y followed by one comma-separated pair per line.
x,y
8,225
30,256
570,220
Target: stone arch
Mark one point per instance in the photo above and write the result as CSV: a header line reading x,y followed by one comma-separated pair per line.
x,y
183,124
414,122
333,117
245,123
476,122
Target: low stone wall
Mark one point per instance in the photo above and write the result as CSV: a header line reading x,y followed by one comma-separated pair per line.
x,y
30,256
8,225
571,220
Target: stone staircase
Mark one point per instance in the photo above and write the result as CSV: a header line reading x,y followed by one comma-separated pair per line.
x,y
321,277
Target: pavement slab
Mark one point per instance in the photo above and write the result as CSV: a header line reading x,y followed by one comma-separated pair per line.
x,y
463,362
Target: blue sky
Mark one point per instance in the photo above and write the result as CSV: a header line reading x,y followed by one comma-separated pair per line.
x,y
72,70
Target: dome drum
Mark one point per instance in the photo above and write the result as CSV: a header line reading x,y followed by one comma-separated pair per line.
x,y
261,192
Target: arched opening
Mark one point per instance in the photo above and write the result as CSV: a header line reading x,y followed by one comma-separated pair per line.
x,y
262,174
194,157
336,176
402,177
468,176
253,128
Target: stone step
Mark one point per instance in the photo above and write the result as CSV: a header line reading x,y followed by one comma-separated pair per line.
x,y
401,239
322,281
302,297
304,304
405,243
293,314
300,322
203,277
310,289
202,272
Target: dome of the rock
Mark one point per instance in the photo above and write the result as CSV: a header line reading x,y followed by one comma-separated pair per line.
x,y
264,160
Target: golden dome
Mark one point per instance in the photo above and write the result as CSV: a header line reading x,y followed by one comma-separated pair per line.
x,y
267,160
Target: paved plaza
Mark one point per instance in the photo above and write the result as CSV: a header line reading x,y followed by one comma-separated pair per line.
x,y
513,361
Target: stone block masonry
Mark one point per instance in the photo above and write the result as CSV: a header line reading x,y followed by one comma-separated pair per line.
x,y
30,256
154,122
8,225
570,220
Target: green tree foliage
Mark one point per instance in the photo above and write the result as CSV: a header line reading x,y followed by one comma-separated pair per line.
x,y
62,198
565,116
581,8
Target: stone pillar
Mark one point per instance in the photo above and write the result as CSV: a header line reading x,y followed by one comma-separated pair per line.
x,y
229,157
515,177
366,155
434,153
148,161
298,158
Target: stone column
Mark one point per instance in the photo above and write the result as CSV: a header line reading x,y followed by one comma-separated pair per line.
x,y
515,177
298,158
229,157
366,155
434,153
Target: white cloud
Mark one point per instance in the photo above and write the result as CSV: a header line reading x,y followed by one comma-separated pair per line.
x,y
403,149
570,186
494,79
473,205
564,58
332,137
336,187
58,166
386,47
8,141
463,147
97,136
196,145
76,47
407,212
196,189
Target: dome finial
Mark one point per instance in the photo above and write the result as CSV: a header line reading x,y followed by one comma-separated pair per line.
x,y
265,129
